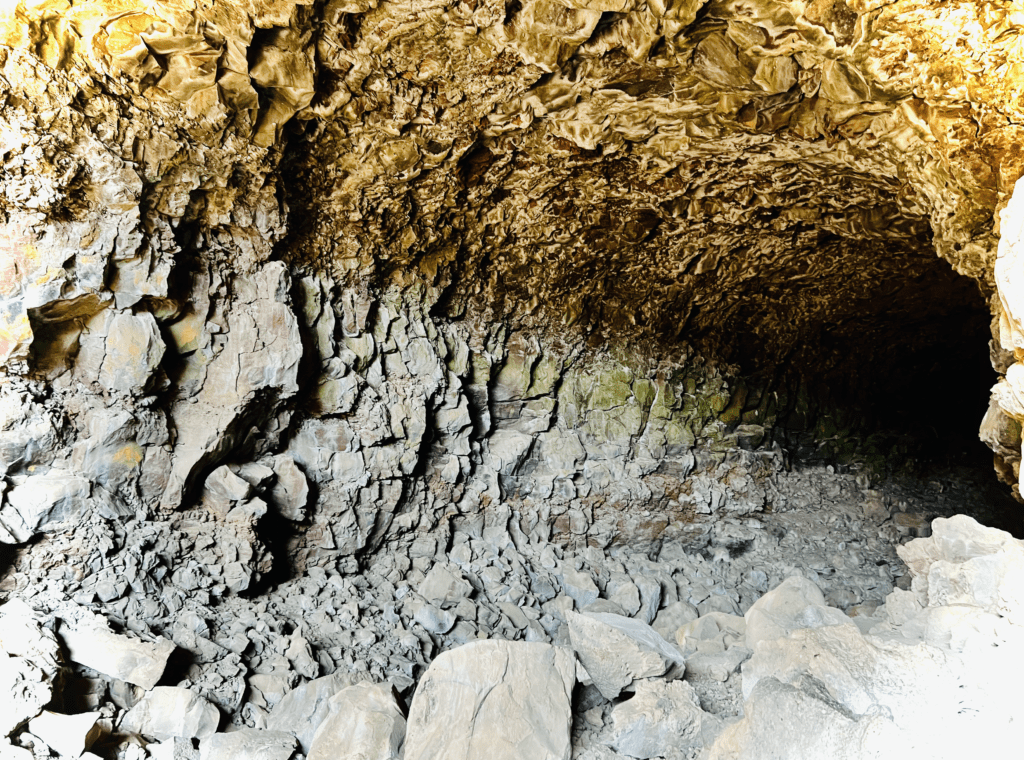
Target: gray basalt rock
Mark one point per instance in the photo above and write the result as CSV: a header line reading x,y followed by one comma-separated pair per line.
x,y
580,587
170,711
658,717
673,617
43,502
302,710
364,722
497,699
30,665
126,659
133,351
616,651
248,744
289,495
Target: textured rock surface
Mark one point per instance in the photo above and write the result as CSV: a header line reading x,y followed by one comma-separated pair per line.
x,y
248,744
506,700
921,681
137,662
365,722
30,665
169,711
324,325
616,651
393,245
302,710
659,717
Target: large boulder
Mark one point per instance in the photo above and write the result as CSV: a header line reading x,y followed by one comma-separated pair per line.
x,y
502,700
783,721
365,722
171,711
30,665
248,744
138,662
617,650
662,715
302,710
794,604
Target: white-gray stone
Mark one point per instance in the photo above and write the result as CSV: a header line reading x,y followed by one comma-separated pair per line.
x,y
660,716
500,700
138,662
364,722
30,665
674,617
444,586
69,735
580,587
134,349
784,722
289,494
617,650
43,502
794,604
248,744
171,711
302,710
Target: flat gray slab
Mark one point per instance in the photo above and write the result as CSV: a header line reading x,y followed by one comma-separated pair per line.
x,y
500,700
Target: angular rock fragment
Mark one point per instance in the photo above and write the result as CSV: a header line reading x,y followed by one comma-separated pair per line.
x,y
966,563
717,665
248,744
435,620
134,349
444,586
126,659
496,699
580,587
364,722
673,617
68,735
616,651
224,486
42,502
782,721
660,716
289,494
793,604
30,665
302,710
623,592
171,711
711,633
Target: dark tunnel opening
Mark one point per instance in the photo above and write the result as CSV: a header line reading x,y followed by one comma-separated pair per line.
x,y
897,391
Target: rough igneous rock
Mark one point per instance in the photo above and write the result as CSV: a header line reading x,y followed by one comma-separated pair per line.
x,y
506,700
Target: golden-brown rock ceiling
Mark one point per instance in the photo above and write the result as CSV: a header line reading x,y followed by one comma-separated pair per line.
x,y
624,163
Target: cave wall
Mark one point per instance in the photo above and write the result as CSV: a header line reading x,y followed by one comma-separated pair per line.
x,y
404,263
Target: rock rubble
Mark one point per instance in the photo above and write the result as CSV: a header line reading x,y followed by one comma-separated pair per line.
x,y
747,634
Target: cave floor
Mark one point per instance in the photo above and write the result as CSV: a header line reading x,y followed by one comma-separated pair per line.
x,y
391,618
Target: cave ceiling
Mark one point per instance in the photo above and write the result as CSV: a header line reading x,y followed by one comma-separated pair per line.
x,y
745,175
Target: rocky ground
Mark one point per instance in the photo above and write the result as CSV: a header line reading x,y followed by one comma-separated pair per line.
x,y
142,653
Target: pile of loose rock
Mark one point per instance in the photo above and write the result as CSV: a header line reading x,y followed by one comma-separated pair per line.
x,y
802,617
